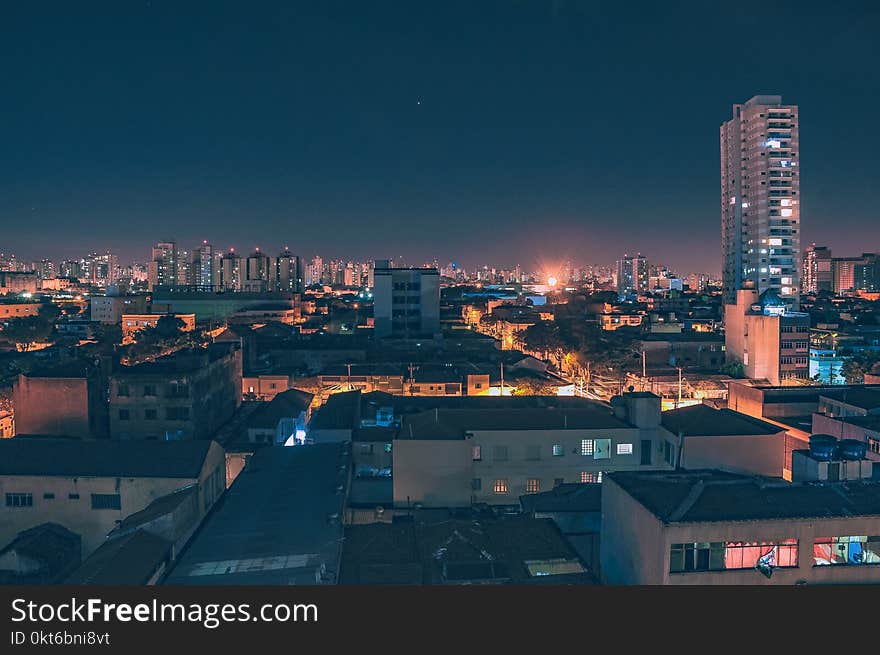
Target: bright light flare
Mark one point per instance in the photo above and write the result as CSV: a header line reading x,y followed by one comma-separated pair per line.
x,y
551,281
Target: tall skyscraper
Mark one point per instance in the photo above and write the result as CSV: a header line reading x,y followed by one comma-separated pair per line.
x,y
760,199
288,273
816,271
204,265
632,275
163,265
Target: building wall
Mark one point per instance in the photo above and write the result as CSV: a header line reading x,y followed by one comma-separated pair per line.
x,y
265,387
212,396
529,456
131,323
18,310
756,454
435,473
109,309
58,406
76,514
628,531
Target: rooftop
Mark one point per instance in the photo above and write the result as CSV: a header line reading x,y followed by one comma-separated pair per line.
x,y
702,420
455,423
182,361
713,496
287,404
458,551
568,497
132,559
278,524
53,546
863,397
35,455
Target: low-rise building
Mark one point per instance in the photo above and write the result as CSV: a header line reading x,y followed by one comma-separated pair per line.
x,y
109,310
185,395
90,486
725,439
67,400
712,527
281,421
44,554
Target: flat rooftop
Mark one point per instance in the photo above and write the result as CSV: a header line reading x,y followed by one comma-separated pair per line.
x,y
34,455
702,420
863,397
708,496
278,524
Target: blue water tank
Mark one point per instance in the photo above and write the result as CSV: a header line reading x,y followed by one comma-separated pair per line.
x,y
823,446
853,449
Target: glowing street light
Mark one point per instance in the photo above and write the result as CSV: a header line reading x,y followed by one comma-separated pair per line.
x,y
551,281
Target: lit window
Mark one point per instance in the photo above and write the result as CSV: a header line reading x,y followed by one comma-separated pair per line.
x,y
586,446
477,453
833,551
624,449
786,212
533,485
558,450
500,486
591,477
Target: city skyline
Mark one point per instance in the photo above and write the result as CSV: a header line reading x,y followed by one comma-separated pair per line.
x,y
575,147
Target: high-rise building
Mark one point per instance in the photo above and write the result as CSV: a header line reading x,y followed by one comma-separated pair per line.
x,y
406,301
231,272
853,274
288,273
258,272
816,271
632,275
204,265
760,199
163,265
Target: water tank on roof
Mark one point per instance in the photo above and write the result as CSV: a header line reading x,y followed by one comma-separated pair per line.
x,y
823,446
853,449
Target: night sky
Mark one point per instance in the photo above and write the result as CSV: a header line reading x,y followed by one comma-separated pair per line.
x,y
482,132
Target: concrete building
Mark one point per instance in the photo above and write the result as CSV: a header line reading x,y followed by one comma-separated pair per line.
x,y
90,486
110,309
65,400
853,274
760,199
816,274
44,554
458,457
632,276
9,310
163,266
727,440
288,275
710,527
767,338
16,282
183,396
406,301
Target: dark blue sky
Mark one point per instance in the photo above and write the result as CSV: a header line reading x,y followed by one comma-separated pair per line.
x,y
502,132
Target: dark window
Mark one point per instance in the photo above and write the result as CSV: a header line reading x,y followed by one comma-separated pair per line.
x,y
106,501
49,496
646,452
19,500
149,390
150,414
477,484
122,390
72,496
124,415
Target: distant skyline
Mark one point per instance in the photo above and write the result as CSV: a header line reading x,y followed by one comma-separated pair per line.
x,y
495,132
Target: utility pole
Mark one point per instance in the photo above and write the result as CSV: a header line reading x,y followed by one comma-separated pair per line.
x,y
348,367
411,379
502,377
679,387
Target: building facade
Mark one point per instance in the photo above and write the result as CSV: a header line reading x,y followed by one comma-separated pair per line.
x,y
760,198
406,301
